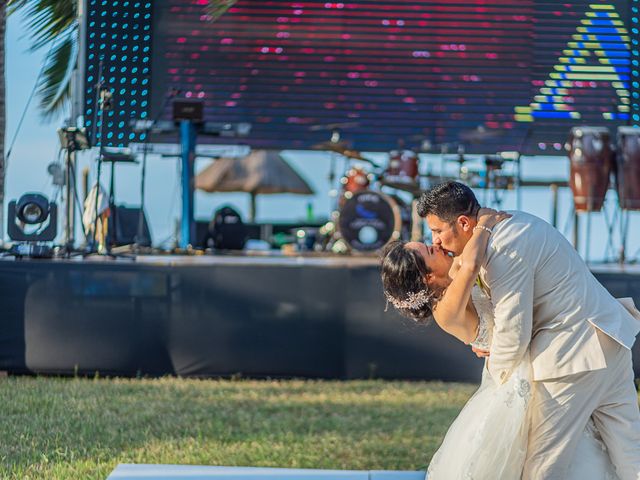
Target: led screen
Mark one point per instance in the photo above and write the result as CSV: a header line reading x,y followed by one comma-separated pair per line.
x,y
489,76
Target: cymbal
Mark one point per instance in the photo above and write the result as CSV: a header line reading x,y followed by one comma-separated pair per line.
x,y
355,155
480,134
333,126
458,158
426,145
412,187
343,149
338,147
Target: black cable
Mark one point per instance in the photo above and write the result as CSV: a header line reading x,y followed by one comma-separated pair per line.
x,y
26,108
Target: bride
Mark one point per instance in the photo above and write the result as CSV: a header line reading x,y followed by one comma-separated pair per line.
x,y
488,439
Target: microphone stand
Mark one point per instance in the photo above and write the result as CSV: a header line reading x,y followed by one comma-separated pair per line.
x,y
145,148
105,104
99,106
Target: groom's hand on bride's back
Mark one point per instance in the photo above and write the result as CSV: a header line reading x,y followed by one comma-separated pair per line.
x,y
480,353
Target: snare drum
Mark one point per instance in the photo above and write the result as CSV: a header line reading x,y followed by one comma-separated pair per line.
x,y
369,220
591,163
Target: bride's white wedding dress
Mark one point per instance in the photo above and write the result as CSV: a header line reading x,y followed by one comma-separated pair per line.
x,y
488,440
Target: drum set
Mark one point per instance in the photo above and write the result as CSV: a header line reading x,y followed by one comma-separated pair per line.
x,y
376,204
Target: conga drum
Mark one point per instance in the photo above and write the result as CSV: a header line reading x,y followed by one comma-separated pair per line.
x,y
628,168
369,220
591,157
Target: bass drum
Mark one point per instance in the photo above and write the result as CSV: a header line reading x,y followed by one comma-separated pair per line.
x,y
369,220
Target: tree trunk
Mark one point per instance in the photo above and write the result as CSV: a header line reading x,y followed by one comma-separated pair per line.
x,y
3,120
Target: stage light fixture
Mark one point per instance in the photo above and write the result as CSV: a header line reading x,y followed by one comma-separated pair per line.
x,y
36,211
32,208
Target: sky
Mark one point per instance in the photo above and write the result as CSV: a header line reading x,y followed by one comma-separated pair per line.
x,y
37,146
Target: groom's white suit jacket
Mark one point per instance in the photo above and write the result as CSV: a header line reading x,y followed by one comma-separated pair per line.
x,y
545,297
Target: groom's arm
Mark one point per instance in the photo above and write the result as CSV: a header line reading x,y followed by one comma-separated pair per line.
x,y
510,279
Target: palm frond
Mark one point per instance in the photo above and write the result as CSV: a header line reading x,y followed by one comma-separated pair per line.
x,y
54,88
52,22
217,8
46,19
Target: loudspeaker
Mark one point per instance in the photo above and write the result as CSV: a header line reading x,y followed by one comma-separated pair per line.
x,y
126,227
227,230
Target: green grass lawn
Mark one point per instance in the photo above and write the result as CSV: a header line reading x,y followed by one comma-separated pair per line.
x,y
81,428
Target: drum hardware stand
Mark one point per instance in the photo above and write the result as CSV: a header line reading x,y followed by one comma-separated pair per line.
x,y
461,160
610,224
491,166
573,214
516,157
624,213
417,227
610,249
444,149
624,230
331,177
554,207
588,233
519,181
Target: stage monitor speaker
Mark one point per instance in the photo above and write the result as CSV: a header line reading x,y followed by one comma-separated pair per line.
x,y
126,229
227,230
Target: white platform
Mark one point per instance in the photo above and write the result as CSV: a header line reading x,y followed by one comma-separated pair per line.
x,y
181,472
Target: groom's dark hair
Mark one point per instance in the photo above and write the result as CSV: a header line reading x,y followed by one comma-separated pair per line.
x,y
448,201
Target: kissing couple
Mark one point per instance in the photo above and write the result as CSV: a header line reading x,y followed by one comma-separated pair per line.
x,y
557,398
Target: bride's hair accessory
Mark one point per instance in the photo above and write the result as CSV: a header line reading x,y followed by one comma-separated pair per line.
x,y
413,301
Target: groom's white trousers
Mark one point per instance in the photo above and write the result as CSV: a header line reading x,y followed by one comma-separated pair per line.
x,y
562,406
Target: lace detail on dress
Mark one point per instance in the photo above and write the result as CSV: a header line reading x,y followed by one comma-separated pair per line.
x,y
484,308
522,389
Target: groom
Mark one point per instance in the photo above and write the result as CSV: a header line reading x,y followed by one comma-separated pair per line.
x,y
546,299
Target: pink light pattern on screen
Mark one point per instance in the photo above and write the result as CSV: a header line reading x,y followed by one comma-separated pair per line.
x,y
402,69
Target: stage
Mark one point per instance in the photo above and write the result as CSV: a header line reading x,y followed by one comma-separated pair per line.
x,y
217,315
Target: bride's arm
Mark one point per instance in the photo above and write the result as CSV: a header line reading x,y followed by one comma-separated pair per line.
x,y
454,313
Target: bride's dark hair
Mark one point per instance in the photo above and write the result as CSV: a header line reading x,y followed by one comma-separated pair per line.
x,y
403,271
